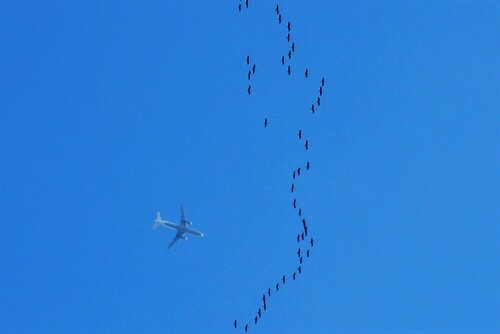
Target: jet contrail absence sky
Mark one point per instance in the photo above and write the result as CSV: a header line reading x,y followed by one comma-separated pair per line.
x,y
112,111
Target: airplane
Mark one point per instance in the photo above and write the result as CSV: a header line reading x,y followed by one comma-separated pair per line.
x,y
182,228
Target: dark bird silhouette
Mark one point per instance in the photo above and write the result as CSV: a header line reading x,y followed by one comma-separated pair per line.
x,y
289,26
290,54
288,38
300,260
293,175
264,298
249,74
300,270
319,101
312,108
302,235
307,145
259,312
289,70
253,69
306,73
265,306
294,274
283,279
235,323
248,59
305,231
323,81
320,90
308,165
298,237
298,171
298,252
307,253
277,286
255,320
293,47
293,187
300,134
312,242
249,89
300,212
304,222
246,3
294,203
279,18
277,9
269,292
283,60
246,328
265,122
239,7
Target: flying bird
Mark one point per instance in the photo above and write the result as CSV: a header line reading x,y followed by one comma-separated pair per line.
x,y
239,7
277,9
265,122
320,90
293,47
248,59
293,187
304,222
290,54
305,230
265,307
283,60
300,212
300,134
249,89
264,298
300,270
307,253
283,279
312,108
246,3
246,328
269,292
289,26
253,69
279,18
277,286
298,171
289,70
302,235
307,145
294,274
293,175
259,312
306,73
255,320
249,74
308,165
288,38
300,260
294,203
298,252
235,323
298,237
323,81
319,101
312,242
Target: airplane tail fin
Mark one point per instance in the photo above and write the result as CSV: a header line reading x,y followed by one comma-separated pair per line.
x,y
157,220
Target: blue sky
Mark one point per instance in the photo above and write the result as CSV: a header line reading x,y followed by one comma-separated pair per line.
x,y
111,111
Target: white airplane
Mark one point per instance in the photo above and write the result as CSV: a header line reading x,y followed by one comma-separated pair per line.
x,y
181,228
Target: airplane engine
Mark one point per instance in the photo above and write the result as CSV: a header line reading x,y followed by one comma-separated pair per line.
x,y
184,237
189,222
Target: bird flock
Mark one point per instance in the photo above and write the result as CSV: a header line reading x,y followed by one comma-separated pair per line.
x,y
304,240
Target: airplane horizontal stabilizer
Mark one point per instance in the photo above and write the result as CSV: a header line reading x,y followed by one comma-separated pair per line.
x,y
157,220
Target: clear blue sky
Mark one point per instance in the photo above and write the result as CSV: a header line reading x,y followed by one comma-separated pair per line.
x,y
111,111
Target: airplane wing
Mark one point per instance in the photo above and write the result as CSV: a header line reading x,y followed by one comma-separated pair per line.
x,y
183,216
174,240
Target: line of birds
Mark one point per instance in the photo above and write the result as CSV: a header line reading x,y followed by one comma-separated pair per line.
x,y
303,234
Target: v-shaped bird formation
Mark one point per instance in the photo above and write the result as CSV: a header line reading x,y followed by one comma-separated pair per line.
x,y
304,241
